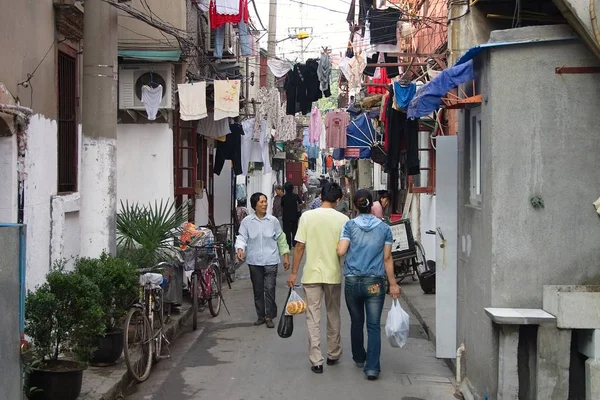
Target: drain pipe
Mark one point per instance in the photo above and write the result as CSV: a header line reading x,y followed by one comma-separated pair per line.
x,y
459,353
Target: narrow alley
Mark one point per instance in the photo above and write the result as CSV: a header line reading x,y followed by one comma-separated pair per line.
x,y
229,358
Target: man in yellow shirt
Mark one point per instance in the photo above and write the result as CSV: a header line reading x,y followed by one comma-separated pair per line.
x,y
319,232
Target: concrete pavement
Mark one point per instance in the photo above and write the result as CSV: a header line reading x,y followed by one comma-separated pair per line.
x,y
229,358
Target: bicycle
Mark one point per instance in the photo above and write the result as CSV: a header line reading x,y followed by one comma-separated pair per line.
x,y
206,285
228,263
144,325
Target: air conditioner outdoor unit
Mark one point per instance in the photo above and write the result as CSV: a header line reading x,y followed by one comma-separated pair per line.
x,y
133,76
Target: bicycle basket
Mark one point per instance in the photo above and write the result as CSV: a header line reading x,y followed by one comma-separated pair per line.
x,y
221,234
203,257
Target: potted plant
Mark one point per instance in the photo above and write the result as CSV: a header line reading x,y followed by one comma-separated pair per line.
x,y
145,237
145,233
62,317
118,282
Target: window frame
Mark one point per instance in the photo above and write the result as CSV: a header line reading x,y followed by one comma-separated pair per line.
x,y
429,188
475,170
74,147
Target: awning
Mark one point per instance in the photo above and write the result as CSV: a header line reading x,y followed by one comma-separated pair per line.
x,y
152,55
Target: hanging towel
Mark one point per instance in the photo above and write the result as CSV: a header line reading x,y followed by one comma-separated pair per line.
x,y
227,99
404,94
192,101
228,7
151,97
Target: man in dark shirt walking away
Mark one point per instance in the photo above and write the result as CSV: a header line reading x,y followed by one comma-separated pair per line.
x,y
277,209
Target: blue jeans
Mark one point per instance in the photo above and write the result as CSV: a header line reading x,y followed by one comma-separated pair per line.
x,y
366,293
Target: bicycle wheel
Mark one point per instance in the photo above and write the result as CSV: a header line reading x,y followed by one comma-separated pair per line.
x,y
216,282
137,340
195,290
420,261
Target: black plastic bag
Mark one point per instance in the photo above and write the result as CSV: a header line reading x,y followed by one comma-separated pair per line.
x,y
286,322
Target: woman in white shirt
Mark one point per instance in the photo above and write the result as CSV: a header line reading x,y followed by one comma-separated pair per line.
x,y
261,242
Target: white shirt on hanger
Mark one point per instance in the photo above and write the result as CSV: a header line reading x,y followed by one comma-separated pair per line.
x,y
151,98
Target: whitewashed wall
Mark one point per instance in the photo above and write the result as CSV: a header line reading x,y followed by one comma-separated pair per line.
x,y
144,163
41,178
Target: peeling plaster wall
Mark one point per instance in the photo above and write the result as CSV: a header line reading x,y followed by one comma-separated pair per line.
x,y
65,229
40,185
144,163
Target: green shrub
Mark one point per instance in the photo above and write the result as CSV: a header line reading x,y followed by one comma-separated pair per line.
x,y
117,280
64,315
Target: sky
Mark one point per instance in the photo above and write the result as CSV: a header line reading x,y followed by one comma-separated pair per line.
x,y
327,18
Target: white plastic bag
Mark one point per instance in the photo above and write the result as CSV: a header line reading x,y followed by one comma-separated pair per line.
x,y
397,325
295,304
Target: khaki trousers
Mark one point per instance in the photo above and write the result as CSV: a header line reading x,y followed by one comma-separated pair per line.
x,y
314,295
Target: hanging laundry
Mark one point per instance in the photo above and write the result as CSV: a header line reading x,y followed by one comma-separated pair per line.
x,y
237,15
336,123
279,67
227,7
302,87
315,125
227,99
255,150
218,19
151,98
403,94
402,135
324,73
383,25
305,137
429,96
192,101
391,70
230,149
269,108
210,128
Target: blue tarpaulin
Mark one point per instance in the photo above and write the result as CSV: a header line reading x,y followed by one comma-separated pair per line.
x,y
429,96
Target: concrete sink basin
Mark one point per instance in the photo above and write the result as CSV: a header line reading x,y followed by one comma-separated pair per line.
x,y
574,306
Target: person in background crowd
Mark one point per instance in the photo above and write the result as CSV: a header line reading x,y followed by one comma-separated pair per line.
x,y
329,163
277,210
261,242
318,232
241,211
290,205
322,181
378,207
343,206
316,203
366,241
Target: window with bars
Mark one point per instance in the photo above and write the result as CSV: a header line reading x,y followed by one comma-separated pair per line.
x,y
67,122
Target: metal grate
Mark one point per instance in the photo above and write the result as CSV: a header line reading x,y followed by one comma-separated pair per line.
x,y
67,123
